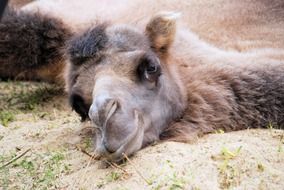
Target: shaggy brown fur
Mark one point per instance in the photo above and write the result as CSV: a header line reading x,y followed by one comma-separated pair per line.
x,y
222,97
31,46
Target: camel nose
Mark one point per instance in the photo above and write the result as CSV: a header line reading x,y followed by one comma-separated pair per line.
x,y
100,108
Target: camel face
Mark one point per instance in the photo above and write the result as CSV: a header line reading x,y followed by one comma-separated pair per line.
x,y
133,94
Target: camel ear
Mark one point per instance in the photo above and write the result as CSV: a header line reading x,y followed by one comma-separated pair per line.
x,y
161,31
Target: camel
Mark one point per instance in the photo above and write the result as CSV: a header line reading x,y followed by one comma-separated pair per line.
x,y
149,76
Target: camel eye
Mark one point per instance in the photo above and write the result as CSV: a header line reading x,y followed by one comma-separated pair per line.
x,y
149,69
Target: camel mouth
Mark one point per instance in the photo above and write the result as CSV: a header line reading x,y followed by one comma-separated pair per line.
x,y
132,142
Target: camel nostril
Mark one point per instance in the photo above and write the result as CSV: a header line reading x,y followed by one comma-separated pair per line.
x,y
102,109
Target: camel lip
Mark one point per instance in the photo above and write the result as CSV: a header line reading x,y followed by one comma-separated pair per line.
x,y
131,140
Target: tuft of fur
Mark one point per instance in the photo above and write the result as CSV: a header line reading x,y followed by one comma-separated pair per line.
x,y
31,46
87,45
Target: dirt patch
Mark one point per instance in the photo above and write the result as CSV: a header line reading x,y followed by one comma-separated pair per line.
x,y
52,138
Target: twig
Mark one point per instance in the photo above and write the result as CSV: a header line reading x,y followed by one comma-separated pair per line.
x,y
119,167
93,157
15,159
115,166
137,171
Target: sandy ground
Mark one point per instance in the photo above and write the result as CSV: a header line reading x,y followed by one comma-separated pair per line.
x,y
43,126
